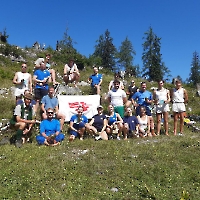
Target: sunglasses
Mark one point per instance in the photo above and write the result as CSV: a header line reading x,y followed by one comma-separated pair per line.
x,y
50,112
24,66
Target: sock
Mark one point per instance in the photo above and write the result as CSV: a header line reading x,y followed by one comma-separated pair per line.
x,y
19,134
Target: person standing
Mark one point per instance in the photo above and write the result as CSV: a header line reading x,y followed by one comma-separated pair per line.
x,y
117,97
179,98
50,134
161,98
132,89
71,73
144,98
95,80
22,81
111,84
50,101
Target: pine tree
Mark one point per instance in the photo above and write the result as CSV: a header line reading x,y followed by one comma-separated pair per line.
x,y
106,50
67,43
153,67
125,56
195,69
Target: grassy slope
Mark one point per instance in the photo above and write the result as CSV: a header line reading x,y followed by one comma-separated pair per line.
x,y
151,168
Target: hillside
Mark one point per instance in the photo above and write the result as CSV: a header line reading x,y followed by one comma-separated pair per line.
x,y
159,168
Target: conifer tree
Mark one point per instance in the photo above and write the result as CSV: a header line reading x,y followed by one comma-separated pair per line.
x,y
195,69
106,50
153,67
126,56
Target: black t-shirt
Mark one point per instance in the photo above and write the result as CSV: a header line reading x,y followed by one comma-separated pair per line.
x,y
99,121
132,90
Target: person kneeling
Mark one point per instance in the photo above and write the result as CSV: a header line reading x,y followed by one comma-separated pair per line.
x,y
50,134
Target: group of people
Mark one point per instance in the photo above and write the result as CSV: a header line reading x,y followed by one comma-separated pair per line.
x,y
126,116
44,101
133,116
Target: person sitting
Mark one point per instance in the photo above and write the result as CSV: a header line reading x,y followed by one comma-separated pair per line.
x,y
98,124
144,123
50,134
77,124
71,73
48,67
41,80
115,123
23,120
95,80
50,101
130,124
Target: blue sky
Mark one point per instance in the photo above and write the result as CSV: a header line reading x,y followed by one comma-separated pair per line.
x,y
175,21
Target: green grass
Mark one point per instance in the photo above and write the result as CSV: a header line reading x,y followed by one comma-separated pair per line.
x,y
152,168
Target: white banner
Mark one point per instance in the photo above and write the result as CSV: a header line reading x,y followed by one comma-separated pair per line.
x,y
68,105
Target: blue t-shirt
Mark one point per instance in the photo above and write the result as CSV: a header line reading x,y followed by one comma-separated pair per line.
x,y
49,126
49,102
140,97
41,75
96,78
83,119
132,122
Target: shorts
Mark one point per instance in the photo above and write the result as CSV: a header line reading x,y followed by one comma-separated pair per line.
x,y
162,108
77,126
178,107
119,110
40,93
148,111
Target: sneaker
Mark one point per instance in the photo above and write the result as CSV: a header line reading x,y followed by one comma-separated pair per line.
x,y
98,138
118,138
180,134
110,137
18,143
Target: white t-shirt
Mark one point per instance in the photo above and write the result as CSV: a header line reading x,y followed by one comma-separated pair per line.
x,y
20,88
117,97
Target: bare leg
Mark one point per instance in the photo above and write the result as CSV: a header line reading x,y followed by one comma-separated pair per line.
x,y
158,117
175,122
166,125
181,121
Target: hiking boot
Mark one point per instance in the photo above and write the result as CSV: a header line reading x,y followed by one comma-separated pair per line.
x,y
18,143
